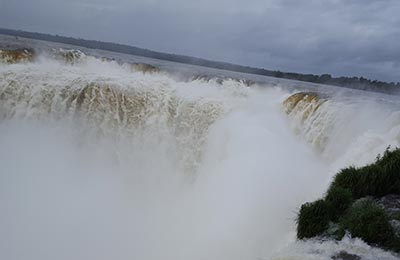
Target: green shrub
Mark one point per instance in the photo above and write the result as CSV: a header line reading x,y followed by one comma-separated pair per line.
x,y
378,179
371,182
366,220
349,178
313,219
388,156
394,245
389,181
338,199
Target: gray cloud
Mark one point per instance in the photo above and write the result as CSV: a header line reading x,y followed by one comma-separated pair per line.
x,y
340,37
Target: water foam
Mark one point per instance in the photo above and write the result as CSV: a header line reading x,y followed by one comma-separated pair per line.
x,y
102,162
350,131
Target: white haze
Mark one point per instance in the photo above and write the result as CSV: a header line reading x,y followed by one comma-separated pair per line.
x,y
66,193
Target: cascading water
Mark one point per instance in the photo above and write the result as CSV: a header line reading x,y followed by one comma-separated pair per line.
x,y
101,160
345,131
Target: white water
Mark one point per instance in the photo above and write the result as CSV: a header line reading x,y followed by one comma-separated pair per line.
x,y
219,177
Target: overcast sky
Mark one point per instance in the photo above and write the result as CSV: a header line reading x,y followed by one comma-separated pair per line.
x,y
339,37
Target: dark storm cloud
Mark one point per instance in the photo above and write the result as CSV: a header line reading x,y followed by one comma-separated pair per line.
x,y
353,37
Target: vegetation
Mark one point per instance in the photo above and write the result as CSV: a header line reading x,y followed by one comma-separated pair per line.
x,y
368,221
338,200
378,179
349,202
349,82
313,219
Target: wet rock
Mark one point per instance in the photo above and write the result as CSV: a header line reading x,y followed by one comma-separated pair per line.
x,y
221,79
301,99
345,256
17,55
106,59
396,226
202,77
145,68
391,205
69,56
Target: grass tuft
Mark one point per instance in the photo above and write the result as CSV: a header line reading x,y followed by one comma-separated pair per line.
x,y
369,222
378,179
338,199
313,219
363,218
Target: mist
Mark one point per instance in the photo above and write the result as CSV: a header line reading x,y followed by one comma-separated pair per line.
x,y
99,161
69,193
65,201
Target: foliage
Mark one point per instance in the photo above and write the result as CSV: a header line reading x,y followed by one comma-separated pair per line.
x,y
369,222
378,179
363,218
338,199
313,219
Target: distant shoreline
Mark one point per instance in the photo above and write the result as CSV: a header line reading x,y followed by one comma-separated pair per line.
x,y
326,79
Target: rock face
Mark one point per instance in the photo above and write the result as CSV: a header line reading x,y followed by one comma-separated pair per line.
x,y
302,99
145,68
17,56
309,118
345,256
391,205
220,79
69,56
